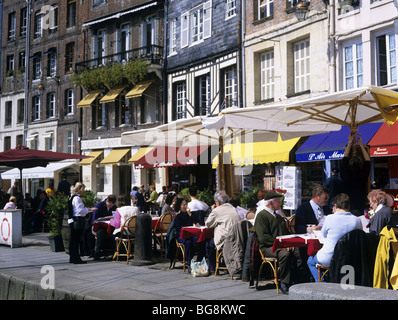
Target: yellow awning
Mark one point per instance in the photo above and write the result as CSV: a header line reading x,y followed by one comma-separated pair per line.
x,y
89,98
115,156
139,89
94,156
112,94
140,153
387,101
244,154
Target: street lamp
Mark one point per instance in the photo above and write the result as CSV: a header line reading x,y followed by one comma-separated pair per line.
x,y
302,10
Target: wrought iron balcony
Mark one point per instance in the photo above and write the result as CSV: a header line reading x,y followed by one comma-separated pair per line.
x,y
151,53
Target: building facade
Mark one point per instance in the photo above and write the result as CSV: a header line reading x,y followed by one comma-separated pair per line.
x,y
41,41
123,41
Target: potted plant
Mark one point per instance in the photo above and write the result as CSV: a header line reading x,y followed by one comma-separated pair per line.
x,y
249,198
56,208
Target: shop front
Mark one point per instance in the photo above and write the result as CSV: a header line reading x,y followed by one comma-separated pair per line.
x,y
322,152
384,156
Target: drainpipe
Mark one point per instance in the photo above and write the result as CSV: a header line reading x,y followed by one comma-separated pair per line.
x,y
242,48
164,71
332,44
27,55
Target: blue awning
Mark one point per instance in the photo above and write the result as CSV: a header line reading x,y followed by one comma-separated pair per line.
x,y
331,146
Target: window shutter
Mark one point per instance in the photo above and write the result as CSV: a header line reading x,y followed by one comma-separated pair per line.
x,y
184,29
207,20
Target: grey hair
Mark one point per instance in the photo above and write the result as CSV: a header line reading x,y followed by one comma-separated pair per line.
x,y
221,196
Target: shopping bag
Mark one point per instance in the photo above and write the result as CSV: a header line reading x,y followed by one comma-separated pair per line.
x,y
200,268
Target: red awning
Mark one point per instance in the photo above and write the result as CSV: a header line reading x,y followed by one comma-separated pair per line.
x,y
385,141
172,157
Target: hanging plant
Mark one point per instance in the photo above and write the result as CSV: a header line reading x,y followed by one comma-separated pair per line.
x,y
112,75
136,70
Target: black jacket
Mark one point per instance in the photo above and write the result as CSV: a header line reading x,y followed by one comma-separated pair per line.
x,y
357,249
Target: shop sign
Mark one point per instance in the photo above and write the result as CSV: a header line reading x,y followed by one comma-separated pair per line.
x,y
320,156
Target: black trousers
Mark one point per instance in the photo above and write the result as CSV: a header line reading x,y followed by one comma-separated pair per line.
x,y
77,229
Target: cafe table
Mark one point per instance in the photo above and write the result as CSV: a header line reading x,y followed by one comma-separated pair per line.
x,y
203,232
312,243
101,223
155,223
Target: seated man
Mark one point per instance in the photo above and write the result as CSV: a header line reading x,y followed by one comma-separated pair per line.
x,y
312,212
221,219
105,209
336,225
198,208
268,226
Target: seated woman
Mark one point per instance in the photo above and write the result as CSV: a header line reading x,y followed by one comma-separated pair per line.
x,y
169,204
184,219
11,204
335,226
123,212
383,214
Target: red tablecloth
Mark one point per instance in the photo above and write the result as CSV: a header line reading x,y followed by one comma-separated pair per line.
x,y
313,244
204,233
154,222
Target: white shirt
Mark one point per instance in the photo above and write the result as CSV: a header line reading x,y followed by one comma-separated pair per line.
x,y
315,207
196,205
79,210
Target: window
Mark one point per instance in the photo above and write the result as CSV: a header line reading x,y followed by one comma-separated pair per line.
x,y
386,59
7,143
21,111
267,75
71,14
173,37
11,26
98,115
8,115
123,113
231,8
196,25
99,47
293,3
123,42
98,2
19,140
37,66
49,141
345,6
231,87
21,62
265,9
10,65
353,66
36,108
50,112
148,36
203,96
52,63
181,100
53,22
69,56
34,141
38,25
302,66
23,21
69,141
69,101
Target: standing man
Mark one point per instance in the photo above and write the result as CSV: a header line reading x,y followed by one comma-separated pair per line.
x,y
64,186
268,226
314,211
334,184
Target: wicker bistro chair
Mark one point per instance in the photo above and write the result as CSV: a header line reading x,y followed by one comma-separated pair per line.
x,y
272,262
320,269
219,259
126,239
159,233
180,248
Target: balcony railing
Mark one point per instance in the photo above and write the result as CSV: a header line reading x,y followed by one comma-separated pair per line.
x,y
151,53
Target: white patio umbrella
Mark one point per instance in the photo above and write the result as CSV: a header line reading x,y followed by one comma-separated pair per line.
x,y
350,108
